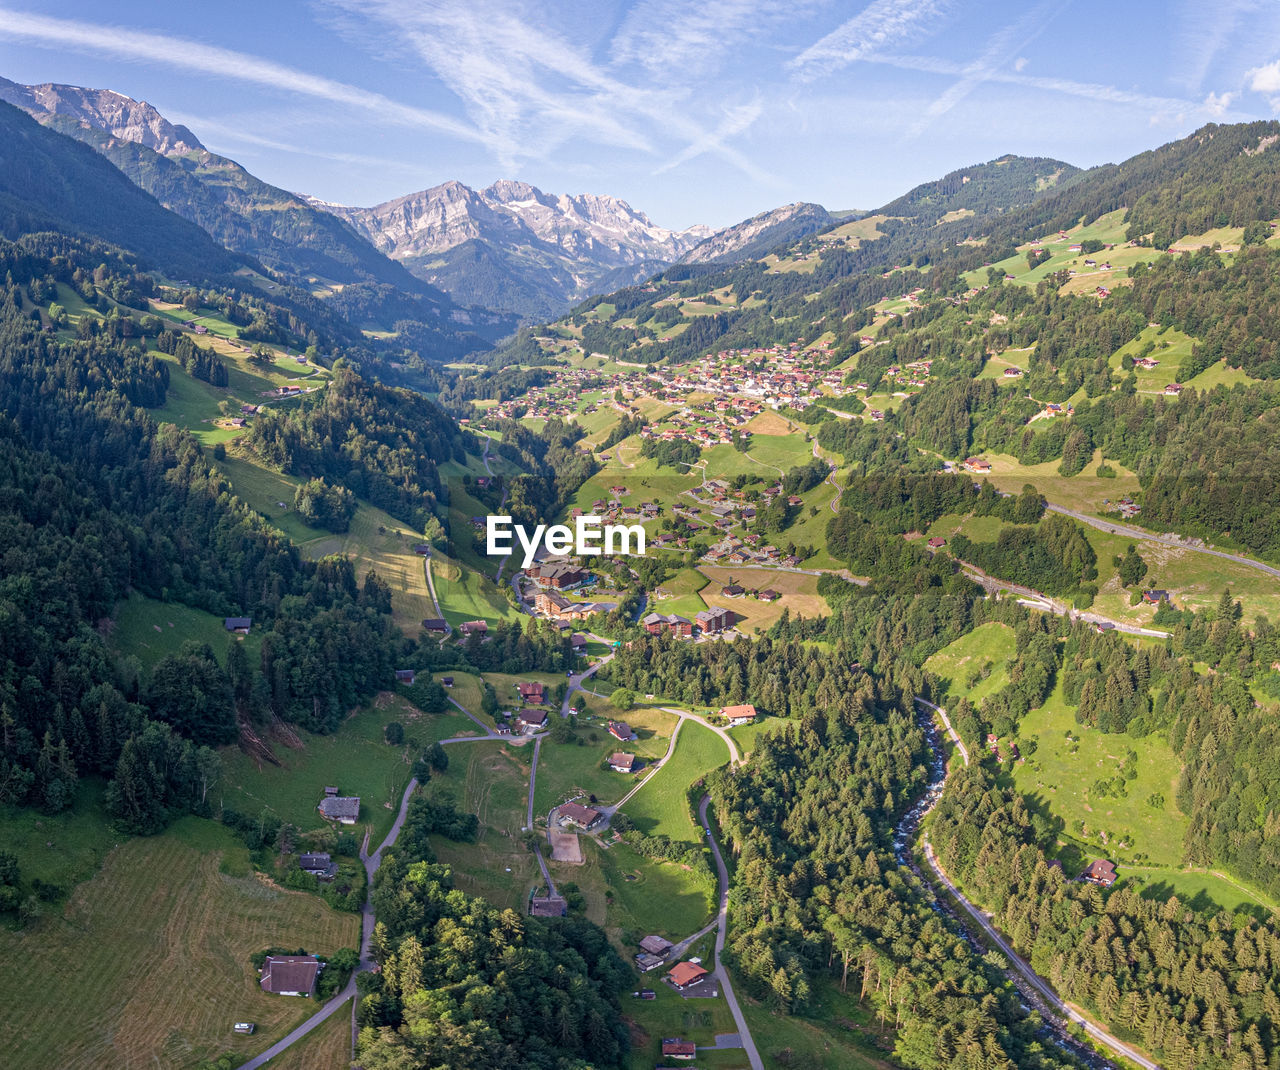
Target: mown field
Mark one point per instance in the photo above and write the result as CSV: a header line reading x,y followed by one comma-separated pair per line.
x,y
153,630
327,1047
661,806
799,595
148,965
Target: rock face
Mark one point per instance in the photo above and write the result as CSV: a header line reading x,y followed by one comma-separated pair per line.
x,y
761,233
121,116
517,249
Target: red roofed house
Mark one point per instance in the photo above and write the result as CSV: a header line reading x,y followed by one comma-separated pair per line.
x,y
290,975
675,1048
620,730
577,814
686,974
533,694
1101,872
737,715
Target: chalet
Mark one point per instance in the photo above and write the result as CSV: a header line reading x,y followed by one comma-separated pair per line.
x,y
656,945
937,542
714,620
646,961
1012,373
1100,872
621,730
238,625
474,627
446,681
435,624
622,763
733,590
290,975
1155,597
404,676
236,422
686,975
548,906
675,1048
584,817
422,549
657,623
318,865
578,643
737,715
977,464
1173,389
769,595
532,694
559,576
1014,752
248,410
341,808
531,719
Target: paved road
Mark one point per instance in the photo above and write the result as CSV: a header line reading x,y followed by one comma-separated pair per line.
x,y
831,478
1029,975
431,587
722,928
371,864
1019,964
1116,528
537,850
1033,599
575,682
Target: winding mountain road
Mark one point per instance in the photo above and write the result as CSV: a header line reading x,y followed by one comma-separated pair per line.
x,y
722,929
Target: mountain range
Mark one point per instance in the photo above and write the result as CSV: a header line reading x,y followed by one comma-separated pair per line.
x,y
479,258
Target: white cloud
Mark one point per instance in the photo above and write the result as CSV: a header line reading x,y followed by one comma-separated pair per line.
x,y
187,55
879,25
1020,64
1264,79
1217,104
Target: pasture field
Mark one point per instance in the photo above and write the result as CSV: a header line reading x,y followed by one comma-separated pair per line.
x,y
1085,492
670,1015
65,848
567,770
466,594
837,1032
490,780
1065,762
661,807
150,958
153,630
747,735
355,758
375,540
988,648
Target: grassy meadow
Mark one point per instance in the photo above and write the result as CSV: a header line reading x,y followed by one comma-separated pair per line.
x,y
661,806
150,958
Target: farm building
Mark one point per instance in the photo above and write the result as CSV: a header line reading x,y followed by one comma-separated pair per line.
x,y
577,814
737,715
685,975
342,808
238,625
290,975
404,676
548,906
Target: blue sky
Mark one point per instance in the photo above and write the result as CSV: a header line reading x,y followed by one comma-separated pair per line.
x,y
691,111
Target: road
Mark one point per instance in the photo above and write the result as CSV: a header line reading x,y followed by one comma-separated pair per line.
x,y
537,850
1115,528
1033,599
722,928
1025,972
831,478
431,587
371,864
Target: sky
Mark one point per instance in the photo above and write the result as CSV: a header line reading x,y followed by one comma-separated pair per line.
x,y
692,112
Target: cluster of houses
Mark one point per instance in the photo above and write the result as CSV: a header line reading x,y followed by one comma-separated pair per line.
x,y
713,621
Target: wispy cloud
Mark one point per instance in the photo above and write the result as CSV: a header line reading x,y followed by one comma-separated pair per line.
x,y
530,89
187,55
693,40
1002,47
882,24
